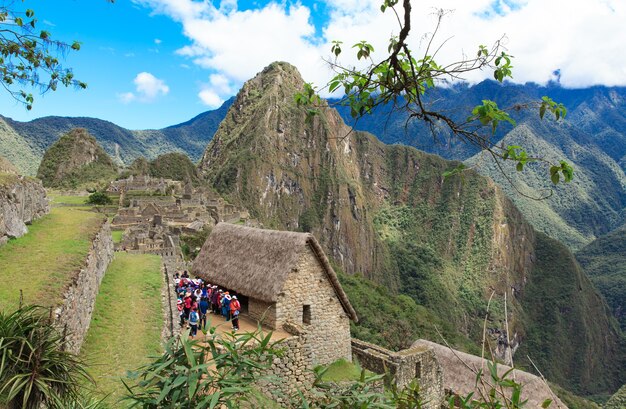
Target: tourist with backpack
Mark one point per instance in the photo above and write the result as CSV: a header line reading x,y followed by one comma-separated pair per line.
x,y
194,319
226,306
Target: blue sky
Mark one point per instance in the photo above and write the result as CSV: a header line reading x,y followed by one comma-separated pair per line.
x,y
155,63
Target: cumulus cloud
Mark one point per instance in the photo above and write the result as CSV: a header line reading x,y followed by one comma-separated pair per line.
x,y
214,92
583,39
147,89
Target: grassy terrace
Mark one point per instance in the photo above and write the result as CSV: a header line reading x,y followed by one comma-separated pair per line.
x,y
42,262
127,321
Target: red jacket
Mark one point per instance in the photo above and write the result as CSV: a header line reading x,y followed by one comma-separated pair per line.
x,y
235,306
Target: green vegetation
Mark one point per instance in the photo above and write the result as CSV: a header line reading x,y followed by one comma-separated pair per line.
x,y
127,321
192,243
342,370
393,320
618,400
174,165
604,260
66,200
76,160
117,236
30,57
99,199
43,262
573,401
36,371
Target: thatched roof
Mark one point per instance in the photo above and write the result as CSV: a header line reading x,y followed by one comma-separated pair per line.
x,y
257,262
459,379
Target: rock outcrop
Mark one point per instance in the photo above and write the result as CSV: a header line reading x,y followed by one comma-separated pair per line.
x,y
22,200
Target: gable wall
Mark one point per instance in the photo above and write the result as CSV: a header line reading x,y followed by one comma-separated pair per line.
x,y
329,331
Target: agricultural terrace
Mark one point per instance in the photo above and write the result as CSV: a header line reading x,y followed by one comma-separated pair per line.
x,y
43,262
126,326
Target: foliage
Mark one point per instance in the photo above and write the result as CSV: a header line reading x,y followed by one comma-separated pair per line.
x,y
192,243
35,367
99,198
618,400
604,260
403,80
175,165
30,58
213,372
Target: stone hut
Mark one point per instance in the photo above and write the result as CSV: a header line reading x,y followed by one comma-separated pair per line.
x,y
282,278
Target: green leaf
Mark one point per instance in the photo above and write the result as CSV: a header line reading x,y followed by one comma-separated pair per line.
x,y
546,403
520,166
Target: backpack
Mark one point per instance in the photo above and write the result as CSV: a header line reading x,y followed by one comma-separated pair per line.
x,y
193,317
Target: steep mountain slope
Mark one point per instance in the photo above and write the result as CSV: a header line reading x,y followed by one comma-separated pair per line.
x,y
593,138
24,143
76,160
604,259
7,167
386,212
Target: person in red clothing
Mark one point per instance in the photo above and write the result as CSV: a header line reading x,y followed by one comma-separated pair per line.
x,y
235,309
187,304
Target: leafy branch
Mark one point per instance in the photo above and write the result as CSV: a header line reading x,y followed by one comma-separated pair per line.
x,y
401,79
30,58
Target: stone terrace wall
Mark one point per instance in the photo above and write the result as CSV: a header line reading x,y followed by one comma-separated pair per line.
x,y
22,200
404,366
74,315
295,368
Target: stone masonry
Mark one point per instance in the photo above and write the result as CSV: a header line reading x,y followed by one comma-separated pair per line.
x,y
74,315
403,367
307,291
22,200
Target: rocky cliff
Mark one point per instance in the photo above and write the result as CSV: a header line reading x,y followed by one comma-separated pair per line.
x,y
388,213
22,200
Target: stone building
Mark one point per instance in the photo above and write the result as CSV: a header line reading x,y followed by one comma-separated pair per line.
x,y
282,278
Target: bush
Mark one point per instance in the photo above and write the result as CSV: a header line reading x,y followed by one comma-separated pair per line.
x,y
99,198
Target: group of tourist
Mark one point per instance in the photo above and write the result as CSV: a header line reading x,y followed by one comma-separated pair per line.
x,y
196,299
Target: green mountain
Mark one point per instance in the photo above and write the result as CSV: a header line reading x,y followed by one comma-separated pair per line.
x,y
592,138
76,160
604,260
24,143
174,165
387,213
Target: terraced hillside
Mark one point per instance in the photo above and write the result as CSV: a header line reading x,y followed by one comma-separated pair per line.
x,y
43,262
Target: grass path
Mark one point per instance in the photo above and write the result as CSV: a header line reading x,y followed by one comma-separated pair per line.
x,y
42,262
127,321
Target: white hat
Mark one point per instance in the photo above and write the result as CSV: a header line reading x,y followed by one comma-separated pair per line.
x,y
234,297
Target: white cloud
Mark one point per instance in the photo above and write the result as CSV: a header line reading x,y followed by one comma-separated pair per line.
x,y
157,41
582,38
147,89
210,98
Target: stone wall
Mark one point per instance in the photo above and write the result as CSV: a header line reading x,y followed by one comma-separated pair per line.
x,y
22,200
329,325
264,312
294,369
403,367
74,315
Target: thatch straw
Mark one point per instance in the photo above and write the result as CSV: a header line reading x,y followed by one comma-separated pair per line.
x,y
257,262
460,380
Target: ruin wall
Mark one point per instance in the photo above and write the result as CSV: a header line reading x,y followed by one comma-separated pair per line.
x,y
22,200
74,315
403,367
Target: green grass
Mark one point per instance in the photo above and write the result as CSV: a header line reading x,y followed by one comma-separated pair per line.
x,y
57,198
42,262
127,321
117,236
342,370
